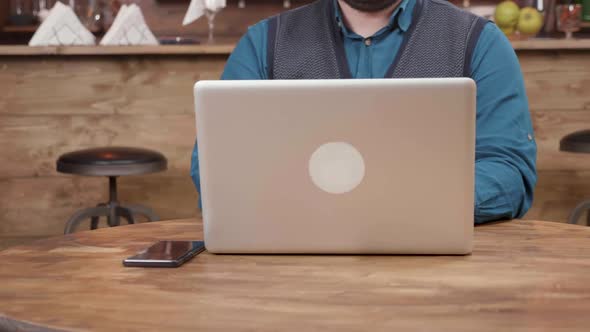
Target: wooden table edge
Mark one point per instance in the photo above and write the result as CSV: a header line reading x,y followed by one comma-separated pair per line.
x,y
198,221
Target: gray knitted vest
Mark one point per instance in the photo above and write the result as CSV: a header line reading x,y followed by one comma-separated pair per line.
x,y
306,43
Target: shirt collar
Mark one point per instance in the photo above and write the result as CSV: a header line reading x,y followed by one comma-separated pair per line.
x,y
401,16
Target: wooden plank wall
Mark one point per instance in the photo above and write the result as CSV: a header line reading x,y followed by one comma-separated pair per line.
x,y
53,105
61,104
558,87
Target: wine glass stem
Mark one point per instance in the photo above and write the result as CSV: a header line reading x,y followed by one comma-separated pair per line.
x,y
211,22
569,35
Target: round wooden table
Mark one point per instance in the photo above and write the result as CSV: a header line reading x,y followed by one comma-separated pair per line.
x,y
522,276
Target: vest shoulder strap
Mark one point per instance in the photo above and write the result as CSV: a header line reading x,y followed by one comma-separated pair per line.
x,y
439,43
304,43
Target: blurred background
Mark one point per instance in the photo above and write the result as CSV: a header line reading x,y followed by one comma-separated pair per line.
x,y
19,18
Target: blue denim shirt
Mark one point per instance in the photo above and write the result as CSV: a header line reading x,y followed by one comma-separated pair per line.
x,y
505,165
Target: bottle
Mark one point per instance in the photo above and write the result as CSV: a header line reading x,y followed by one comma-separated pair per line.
x,y
41,8
109,12
91,14
586,10
550,19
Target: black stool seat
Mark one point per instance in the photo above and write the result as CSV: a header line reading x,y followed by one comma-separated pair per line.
x,y
576,142
112,161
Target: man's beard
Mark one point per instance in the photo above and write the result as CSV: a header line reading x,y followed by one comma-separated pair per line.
x,y
370,5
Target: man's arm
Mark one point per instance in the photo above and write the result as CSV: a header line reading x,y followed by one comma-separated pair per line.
x,y
505,156
247,62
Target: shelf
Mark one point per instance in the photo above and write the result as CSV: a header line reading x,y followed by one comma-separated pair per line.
x,y
225,47
551,44
212,49
20,28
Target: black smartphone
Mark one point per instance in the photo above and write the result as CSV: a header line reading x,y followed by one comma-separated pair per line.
x,y
166,254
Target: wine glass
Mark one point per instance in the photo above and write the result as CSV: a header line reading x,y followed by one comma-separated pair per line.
x,y
569,19
94,16
211,14
41,8
18,7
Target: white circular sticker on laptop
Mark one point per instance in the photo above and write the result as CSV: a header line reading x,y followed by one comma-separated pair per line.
x,y
337,167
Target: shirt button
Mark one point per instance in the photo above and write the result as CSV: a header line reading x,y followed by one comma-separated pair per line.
x,y
368,42
530,137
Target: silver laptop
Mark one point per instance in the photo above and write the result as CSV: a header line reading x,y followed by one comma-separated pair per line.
x,y
337,166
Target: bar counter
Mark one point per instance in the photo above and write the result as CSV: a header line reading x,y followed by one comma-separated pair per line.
x,y
205,49
227,46
58,99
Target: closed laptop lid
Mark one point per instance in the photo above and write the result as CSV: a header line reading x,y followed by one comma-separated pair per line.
x,y
337,166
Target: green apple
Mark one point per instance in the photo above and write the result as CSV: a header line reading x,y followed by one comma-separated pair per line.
x,y
506,14
508,30
530,21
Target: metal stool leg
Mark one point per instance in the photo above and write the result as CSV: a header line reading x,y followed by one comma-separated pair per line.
x,y
125,213
143,210
578,211
94,223
113,217
95,219
82,215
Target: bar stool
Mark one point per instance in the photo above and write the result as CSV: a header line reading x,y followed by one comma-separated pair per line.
x,y
111,162
578,142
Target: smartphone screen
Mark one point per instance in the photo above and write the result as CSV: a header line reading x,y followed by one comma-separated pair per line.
x,y
166,254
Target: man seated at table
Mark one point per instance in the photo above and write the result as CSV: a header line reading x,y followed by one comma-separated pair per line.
x,y
401,39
